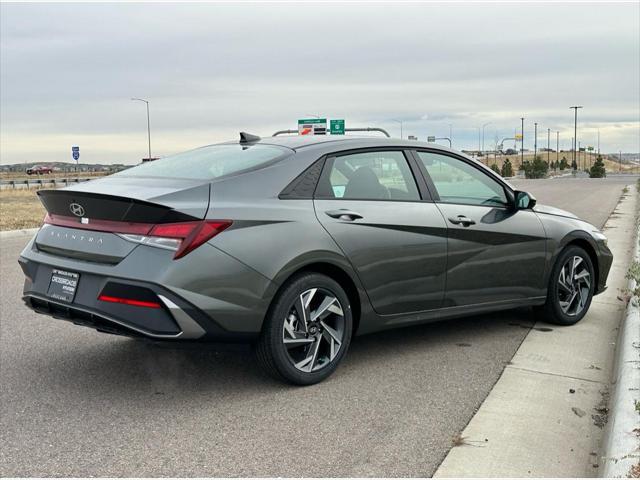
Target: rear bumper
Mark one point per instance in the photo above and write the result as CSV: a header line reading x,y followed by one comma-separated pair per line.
x,y
101,321
205,296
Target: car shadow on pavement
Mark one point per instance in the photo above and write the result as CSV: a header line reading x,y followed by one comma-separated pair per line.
x,y
127,367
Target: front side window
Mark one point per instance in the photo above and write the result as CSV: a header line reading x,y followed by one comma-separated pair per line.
x,y
209,162
458,182
369,176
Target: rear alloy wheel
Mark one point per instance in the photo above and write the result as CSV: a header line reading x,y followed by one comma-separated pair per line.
x,y
571,287
307,330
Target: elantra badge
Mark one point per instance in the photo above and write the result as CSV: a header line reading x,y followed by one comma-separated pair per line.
x,y
77,209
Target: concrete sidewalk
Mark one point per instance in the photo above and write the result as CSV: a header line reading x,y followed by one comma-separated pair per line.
x,y
545,415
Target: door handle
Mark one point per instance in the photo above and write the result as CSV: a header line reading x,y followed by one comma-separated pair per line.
x,y
462,220
344,214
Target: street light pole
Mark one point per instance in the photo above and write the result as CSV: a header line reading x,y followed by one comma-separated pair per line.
x,y
400,122
450,134
575,130
483,127
535,140
522,143
579,149
148,123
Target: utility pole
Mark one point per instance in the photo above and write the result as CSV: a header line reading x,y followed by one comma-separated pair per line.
x,y
548,144
535,140
148,122
522,143
620,166
557,147
575,130
598,141
450,134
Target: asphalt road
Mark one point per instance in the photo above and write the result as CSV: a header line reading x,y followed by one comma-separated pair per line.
x,y
78,403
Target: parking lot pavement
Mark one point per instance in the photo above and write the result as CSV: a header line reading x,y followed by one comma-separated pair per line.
x,y
78,403
589,198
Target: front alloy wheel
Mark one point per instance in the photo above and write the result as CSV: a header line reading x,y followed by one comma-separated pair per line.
x,y
570,289
307,330
574,286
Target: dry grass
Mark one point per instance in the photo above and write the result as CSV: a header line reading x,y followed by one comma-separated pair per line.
x,y
19,209
48,176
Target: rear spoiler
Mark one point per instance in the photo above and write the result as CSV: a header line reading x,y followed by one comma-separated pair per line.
x,y
99,206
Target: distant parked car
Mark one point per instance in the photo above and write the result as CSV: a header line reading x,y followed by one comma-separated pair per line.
x,y
39,170
510,151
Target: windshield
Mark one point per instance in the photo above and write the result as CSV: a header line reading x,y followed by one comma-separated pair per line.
x,y
209,162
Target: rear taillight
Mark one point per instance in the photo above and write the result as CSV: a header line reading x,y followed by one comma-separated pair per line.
x,y
190,235
182,237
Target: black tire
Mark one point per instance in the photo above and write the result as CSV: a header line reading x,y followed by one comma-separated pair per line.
x,y
552,311
272,354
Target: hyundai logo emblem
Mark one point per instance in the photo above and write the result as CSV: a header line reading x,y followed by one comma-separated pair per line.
x,y
77,209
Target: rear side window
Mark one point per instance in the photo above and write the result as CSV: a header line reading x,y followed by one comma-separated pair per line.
x,y
369,176
210,162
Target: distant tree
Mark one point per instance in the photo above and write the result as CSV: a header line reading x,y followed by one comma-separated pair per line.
x,y
563,163
538,168
507,169
598,170
495,168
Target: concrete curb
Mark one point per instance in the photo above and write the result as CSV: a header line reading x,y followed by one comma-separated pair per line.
x,y
17,233
621,445
546,414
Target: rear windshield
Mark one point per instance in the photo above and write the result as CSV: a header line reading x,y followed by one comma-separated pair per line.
x,y
209,162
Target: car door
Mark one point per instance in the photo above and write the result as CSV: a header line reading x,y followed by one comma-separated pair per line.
x,y
496,253
395,239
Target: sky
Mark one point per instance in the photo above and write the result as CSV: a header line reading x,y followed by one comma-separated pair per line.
x,y
68,73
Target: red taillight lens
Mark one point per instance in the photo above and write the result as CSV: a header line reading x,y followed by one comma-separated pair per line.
x,y
192,234
128,301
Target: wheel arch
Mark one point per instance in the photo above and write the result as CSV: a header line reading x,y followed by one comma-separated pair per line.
x,y
582,240
336,271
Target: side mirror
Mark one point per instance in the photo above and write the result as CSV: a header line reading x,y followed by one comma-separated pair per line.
x,y
524,200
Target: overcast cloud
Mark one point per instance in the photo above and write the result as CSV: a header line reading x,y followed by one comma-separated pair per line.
x,y
68,73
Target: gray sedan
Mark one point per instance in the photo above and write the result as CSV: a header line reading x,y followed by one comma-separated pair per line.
x,y
295,244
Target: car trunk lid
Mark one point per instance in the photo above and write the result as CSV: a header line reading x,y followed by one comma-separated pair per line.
x,y
87,221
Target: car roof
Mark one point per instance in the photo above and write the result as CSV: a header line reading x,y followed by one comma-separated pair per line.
x,y
296,142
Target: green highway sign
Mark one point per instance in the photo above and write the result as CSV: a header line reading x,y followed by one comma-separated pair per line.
x,y
312,126
312,121
336,127
431,138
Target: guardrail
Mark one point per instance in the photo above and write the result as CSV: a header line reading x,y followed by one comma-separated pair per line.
x,y
41,182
